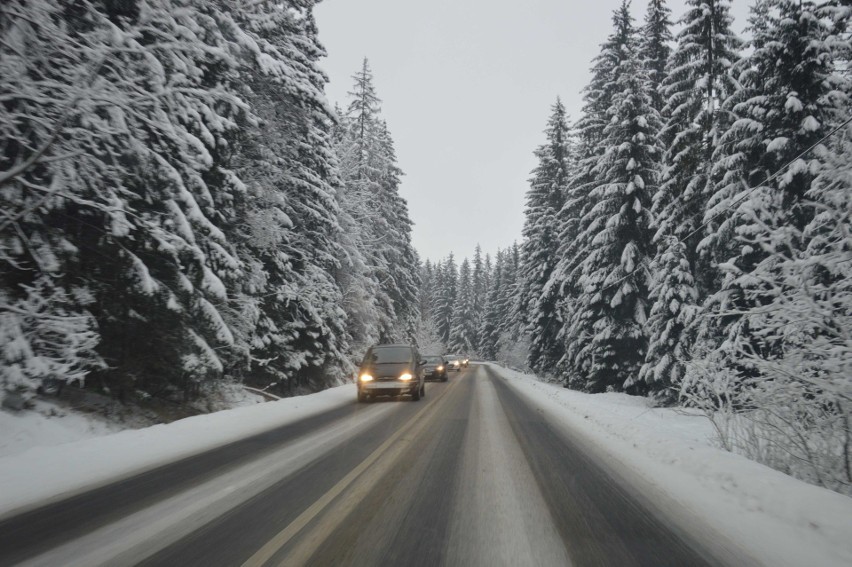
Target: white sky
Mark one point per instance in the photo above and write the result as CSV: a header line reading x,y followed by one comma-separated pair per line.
x,y
466,89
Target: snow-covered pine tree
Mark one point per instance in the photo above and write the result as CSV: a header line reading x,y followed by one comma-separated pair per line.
x,y
360,291
44,334
358,150
758,23
371,180
489,330
674,308
792,97
403,277
607,337
462,331
800,304
539,249
696,88
189,201
588,133
487,275
427,289
839,12
655,47
513,347
510,325
290,224
446,298
437,287
487,272
362,298
426,337
39,306
113,136
478,295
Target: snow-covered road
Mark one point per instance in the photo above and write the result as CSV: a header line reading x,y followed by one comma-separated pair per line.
x,y
492,468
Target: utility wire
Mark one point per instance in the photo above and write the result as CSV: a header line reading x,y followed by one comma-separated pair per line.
x,y
751,190
748,192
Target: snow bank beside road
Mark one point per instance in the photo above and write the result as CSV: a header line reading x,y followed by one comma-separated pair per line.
x,y
669,456
32,428
56,422
43,473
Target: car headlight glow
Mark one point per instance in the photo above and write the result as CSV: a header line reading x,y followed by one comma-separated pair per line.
x,y
439,368
406,377
366,378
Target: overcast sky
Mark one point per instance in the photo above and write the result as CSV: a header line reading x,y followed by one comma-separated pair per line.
x,y
466,89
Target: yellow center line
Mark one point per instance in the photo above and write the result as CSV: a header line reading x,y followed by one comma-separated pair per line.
x,y
396,441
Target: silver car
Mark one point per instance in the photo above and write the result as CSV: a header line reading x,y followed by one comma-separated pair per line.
x,y
454,362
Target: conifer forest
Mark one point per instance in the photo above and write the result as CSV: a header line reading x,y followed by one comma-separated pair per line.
x,y
182,207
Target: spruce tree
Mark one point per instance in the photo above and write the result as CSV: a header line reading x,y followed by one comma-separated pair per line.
x,y
363,301
697,86
290,222
656,47
792,97
436,300
117,193
489,330
487,273
589,132
478,295
446,299
427,290
539,250
401,258
674,308
510,326
371,180
193,204
361,168
462,331
607,337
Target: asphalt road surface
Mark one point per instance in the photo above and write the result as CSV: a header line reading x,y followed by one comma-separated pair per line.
x,y
471,475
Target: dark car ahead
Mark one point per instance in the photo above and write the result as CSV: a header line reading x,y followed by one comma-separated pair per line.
x,y
435,368
391,370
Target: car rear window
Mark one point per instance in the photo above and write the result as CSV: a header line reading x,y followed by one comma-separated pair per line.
x,y
387,355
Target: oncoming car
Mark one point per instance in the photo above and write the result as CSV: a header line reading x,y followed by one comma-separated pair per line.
x,y
391,370
454,362
435,368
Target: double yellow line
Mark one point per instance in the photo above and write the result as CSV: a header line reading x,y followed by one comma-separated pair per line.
x,y
359,486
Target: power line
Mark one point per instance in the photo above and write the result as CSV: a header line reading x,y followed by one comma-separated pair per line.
x,y
751,190
748,192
